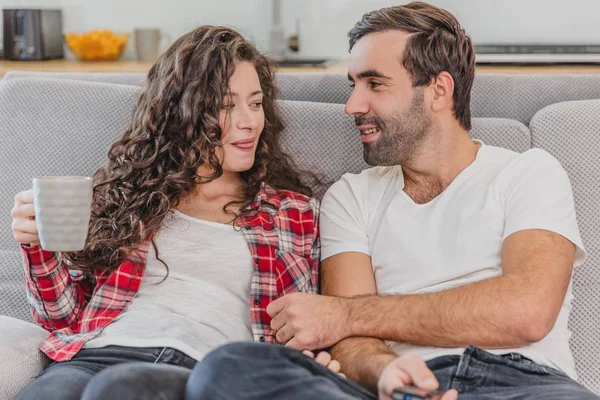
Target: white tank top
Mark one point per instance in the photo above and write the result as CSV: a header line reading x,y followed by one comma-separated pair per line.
x,y
204,301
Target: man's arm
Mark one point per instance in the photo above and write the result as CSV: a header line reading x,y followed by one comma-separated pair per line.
x,y
517,308
512,310
362,358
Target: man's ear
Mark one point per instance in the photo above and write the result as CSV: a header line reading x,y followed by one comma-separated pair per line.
x,y
442,90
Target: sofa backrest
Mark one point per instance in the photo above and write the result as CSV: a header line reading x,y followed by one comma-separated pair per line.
x,y
49,127
520,96
513,96
121,78
571,132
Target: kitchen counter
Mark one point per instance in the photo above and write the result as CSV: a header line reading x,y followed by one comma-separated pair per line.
x,y
120,66
339,67
74,66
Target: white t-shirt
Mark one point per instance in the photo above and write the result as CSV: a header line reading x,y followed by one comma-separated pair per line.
x,y
456,238
205,300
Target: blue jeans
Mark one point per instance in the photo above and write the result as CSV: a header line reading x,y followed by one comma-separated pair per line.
x,y
267,371
477,374
114,372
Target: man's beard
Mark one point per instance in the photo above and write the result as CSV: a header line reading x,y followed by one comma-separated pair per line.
x,y
401,134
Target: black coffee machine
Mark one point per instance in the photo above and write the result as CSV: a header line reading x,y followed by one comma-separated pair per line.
x,y
33,34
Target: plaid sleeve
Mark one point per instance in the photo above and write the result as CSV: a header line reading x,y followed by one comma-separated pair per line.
x,y
56,297
315,253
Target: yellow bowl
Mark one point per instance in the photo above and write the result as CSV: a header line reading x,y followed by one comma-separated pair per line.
x,y
96,45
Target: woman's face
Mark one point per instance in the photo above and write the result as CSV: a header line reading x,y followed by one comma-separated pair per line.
x,y
242,119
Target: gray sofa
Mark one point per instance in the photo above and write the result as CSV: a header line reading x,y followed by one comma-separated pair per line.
x,y
50,125
511,96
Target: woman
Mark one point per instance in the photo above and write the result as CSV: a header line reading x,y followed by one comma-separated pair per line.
x,y
199,220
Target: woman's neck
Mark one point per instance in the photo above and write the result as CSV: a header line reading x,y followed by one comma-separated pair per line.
x,y
227,185
207,200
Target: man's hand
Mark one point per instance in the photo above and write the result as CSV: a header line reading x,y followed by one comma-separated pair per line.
x,y
409,369
324,358
308,321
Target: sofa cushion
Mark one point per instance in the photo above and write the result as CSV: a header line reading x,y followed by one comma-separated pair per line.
x,y
519,97
50,127
511,96
322,139
55,127
571,132
314,87
20,360
501,132
13,298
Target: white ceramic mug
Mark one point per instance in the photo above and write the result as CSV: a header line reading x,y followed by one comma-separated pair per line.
x,y
148,43
63,206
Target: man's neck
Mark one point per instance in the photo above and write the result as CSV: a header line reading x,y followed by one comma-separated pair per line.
x,y
440,159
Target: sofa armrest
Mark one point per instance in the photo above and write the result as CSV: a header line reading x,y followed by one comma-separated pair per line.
x,y
20,359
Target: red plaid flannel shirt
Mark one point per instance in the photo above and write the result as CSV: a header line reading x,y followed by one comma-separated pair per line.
x,y
283,236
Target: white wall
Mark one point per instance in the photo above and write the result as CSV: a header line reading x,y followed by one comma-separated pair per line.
x,y
174,17
325,23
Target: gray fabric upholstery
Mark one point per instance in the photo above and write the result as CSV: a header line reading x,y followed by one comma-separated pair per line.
x,y
13,300
512,96
314,87
55,127
322,139
121,78
571,132
20,360
521,96
501,132
50,127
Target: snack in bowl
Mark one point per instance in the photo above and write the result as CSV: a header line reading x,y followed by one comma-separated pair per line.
x,y
97,44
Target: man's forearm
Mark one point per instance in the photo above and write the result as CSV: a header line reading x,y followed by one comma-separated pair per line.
x,y
494,313
362,359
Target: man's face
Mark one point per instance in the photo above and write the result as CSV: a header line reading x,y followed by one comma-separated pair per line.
x,y
390,114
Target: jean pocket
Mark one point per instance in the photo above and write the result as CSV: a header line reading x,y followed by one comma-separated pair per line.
x,y
527,365
554,371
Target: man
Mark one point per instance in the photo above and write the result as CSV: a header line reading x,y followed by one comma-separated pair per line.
x,y
447,247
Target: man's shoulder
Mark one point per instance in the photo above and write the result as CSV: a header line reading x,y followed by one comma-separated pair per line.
x,y
370,180
531,162
511,164
538,156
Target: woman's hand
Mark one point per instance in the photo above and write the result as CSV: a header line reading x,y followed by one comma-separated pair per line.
x,y
324,358
24,226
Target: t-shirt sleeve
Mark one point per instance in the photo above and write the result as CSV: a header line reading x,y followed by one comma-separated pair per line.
x,y
539,196
342,222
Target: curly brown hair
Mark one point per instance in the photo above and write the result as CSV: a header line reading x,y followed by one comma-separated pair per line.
x,y
175,130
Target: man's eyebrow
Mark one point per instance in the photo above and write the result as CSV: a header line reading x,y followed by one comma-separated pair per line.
x,y
370,73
